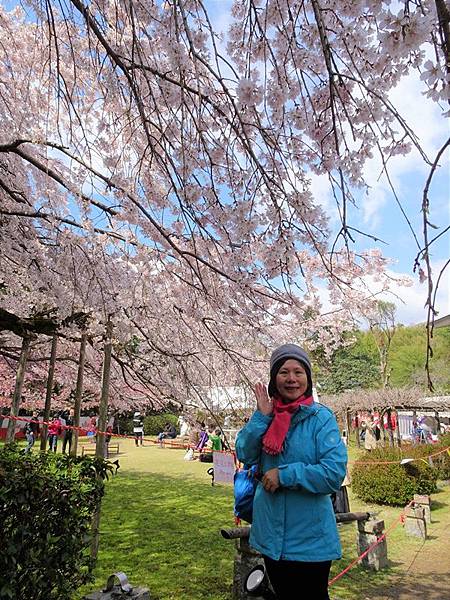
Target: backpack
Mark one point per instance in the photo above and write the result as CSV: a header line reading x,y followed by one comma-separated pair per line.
x,y
206,457
245,482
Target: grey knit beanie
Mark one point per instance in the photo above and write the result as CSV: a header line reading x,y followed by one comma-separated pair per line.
x,y
281,355
290,351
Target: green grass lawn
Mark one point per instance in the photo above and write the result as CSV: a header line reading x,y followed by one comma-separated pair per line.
x,y
161,522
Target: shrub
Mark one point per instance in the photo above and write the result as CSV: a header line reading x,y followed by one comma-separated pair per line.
x,y
435,454
125,425
392,484
46,504
441,462
154,424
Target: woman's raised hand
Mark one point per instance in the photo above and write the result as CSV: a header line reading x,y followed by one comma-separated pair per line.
x,y
263,402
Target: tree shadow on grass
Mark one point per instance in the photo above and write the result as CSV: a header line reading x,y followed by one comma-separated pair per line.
x,y
436,505
433,586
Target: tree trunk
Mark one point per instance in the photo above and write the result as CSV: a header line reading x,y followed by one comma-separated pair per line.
x,y
438,421
358,439
101,426
17,396
103,409
443,13
78,394
48,394
348,422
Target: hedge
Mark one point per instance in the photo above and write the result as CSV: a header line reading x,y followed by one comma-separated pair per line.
x,y
46,504
153,424
393,484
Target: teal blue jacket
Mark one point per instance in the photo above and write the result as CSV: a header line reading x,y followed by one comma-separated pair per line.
x,y
297,522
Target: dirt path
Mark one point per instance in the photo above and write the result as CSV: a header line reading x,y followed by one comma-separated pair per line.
x,y
426,574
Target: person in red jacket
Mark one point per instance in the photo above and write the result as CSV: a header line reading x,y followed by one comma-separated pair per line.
x,y
54,430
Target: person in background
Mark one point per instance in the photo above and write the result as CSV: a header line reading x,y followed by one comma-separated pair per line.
x,y
31,431
370,439
203,437
302,460
109,431
169,432
68,433
183,425
215,440
91,426
194,435
54,431
138,428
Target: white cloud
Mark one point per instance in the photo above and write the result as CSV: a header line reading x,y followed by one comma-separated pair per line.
x,y
425,119
409,300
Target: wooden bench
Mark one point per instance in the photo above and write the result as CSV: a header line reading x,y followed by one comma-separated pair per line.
x,y
91,449
112,449
88,449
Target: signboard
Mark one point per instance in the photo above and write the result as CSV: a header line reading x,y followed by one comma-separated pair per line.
x,y
224,467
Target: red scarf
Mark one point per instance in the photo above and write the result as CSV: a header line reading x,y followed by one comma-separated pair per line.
x,y
273,439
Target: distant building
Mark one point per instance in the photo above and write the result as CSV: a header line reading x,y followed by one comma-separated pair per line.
x,y
225,398
442,322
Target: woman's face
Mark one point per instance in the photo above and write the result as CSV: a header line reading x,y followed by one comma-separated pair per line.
x,y
291,380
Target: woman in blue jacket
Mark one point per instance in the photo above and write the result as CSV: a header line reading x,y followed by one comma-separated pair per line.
x,y
302,460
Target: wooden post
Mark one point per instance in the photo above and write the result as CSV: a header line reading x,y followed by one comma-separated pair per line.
x,y
78,393
101,426
48,393
348,422
17,396
397,430
438,421
358,439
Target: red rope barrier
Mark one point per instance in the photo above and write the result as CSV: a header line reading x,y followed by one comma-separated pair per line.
x,y
372,546
73,428
180,446
187,446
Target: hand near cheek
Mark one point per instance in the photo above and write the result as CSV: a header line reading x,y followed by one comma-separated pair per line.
x,y
264,403
271,480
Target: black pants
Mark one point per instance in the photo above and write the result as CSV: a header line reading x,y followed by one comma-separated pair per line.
x,y
294,580
67,441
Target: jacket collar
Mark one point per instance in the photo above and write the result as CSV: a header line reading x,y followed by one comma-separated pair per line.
x,y
304,412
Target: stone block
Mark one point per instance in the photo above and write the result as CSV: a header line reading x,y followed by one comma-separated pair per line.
x,y
377,558
374,526
422,499
424,502
415,512
244,561
416,527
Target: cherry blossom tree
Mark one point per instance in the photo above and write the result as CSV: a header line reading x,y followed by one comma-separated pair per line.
x,y
156,173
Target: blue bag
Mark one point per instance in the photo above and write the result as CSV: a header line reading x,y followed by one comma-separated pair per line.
x,y
245,482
